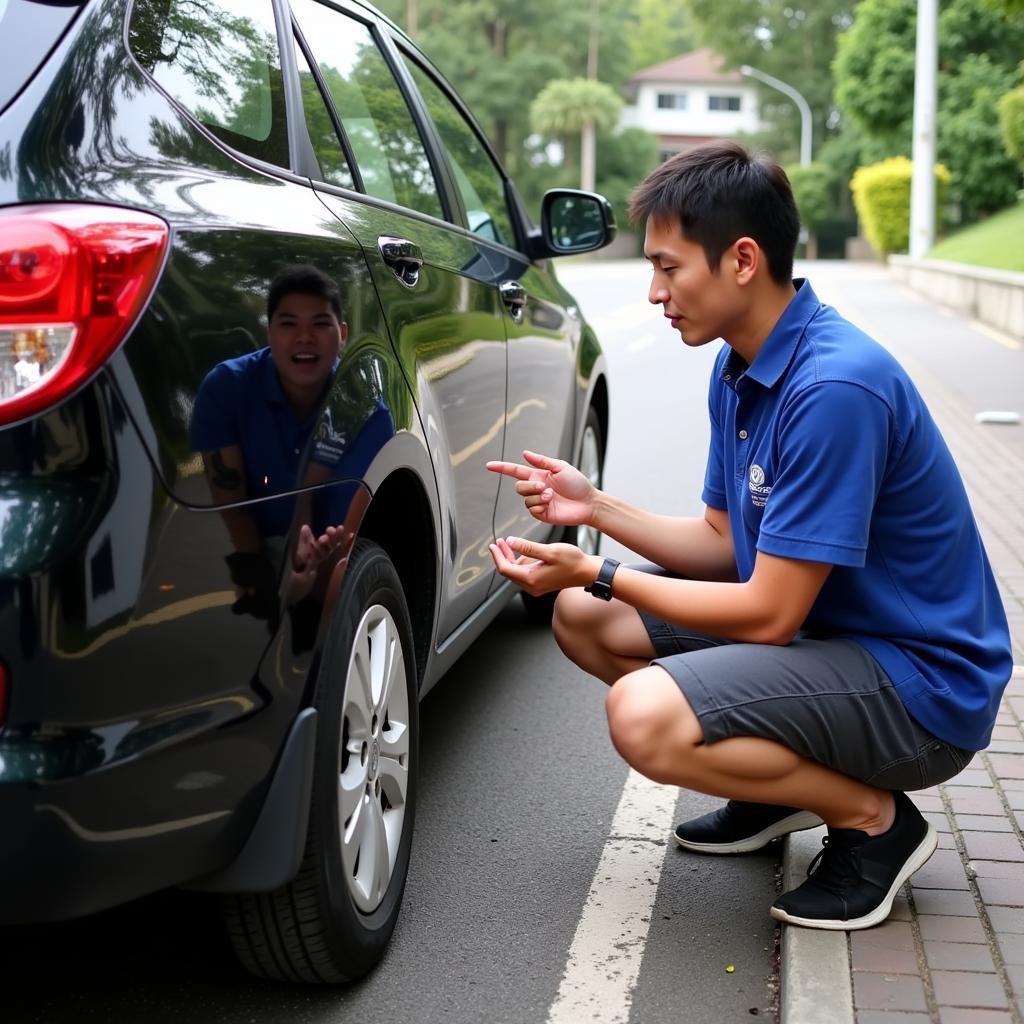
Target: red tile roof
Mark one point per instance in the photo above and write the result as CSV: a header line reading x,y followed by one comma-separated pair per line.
x,y
698,66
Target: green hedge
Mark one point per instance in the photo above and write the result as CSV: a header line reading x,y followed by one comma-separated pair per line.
x,y
881,194
1011,123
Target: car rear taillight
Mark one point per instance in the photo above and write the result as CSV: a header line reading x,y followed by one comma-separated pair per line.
x,y
73,278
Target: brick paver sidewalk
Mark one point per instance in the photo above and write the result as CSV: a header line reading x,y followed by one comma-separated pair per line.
x,y
953,950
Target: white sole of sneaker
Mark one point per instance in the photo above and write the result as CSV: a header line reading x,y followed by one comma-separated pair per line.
x,y
794,823
916,860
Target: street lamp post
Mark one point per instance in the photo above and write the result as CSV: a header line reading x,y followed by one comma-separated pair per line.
x,y
922,182
801,104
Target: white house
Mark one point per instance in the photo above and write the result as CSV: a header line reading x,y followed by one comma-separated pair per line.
x,y
690,99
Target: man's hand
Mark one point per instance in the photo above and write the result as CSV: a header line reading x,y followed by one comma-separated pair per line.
x,y
555,491
540,568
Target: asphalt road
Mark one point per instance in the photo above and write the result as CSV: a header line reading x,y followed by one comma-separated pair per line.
x,y
521,788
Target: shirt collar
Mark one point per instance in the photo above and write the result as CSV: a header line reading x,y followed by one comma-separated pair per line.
x,y
272,389
776,352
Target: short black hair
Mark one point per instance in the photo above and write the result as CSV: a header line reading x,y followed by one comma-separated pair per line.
x,y
306,280
719,192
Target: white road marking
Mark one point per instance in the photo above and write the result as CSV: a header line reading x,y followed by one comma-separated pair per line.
x,y
606,951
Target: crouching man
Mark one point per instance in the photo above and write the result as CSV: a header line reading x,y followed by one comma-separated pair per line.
x,y
829,634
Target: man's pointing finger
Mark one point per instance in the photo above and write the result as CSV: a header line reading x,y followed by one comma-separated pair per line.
x,y
543,461
510,469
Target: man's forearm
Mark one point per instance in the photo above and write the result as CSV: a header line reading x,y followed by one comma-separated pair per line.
x,y
688,545
732,611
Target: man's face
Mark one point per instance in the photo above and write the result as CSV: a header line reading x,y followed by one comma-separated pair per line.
x,y
305,338
700,304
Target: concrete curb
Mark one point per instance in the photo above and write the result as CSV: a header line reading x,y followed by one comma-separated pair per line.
x,y
815,964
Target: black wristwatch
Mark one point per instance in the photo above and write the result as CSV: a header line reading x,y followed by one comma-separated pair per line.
x,y
602,586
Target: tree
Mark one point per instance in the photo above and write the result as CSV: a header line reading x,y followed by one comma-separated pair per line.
x,y
500,54
570,105
659,30
626,158
792,40
812,189
985,177
1009,8
978,48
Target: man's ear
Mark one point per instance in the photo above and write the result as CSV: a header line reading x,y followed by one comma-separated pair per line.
x,y
342,335
746,259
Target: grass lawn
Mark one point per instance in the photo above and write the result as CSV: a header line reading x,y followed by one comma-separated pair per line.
x,y
996,242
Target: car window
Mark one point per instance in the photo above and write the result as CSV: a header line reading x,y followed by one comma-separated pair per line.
x,y
330,156
385,142
220,60
478,179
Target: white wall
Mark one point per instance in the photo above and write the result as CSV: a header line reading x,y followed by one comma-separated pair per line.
x,y
696,119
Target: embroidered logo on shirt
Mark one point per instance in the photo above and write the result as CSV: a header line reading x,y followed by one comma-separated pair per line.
x,y
759,490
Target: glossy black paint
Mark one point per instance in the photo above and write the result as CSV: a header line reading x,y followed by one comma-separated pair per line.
x,y
146,713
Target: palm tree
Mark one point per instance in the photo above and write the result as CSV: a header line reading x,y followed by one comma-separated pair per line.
x,y
569,105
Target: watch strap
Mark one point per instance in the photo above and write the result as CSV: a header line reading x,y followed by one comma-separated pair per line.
x,y
602,586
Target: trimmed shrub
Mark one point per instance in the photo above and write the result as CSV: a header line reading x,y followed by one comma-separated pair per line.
x,y
812,189
881,194
1011,124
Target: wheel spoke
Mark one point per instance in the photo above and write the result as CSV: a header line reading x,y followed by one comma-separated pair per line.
x,y
353,839
351,787
381,858
359,691
394,741
394,780
393,671
379,632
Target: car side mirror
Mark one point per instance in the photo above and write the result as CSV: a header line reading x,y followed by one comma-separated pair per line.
x,y
572,222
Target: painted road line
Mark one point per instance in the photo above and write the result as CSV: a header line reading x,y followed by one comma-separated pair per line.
x,y
997,336
604,958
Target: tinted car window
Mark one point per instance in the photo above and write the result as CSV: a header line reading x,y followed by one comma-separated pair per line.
x,y
220,60
322,133
478,180
385,142
28,30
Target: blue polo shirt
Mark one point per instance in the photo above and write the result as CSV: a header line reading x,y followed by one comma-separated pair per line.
x,y
241,402
823,450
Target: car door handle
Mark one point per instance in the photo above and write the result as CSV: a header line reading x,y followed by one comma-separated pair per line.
x,y
513,294
403,257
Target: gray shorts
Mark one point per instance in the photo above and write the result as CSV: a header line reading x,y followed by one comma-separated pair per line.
x,y
824,697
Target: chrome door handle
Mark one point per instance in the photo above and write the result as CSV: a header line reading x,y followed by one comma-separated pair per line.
x,y
513,294
403,257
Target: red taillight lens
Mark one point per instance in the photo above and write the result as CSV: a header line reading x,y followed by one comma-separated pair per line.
x,y
72,281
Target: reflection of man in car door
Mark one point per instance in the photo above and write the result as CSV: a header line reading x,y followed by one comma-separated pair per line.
x,y
252,418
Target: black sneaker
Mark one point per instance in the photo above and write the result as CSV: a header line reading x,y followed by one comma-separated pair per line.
x,y
740,827
858,875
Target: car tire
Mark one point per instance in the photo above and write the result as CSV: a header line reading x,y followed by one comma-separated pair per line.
x,y
332,923
591,462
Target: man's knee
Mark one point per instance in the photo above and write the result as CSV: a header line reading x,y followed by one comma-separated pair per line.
x,y
574,617
652,724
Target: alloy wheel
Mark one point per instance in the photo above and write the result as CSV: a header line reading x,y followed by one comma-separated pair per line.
x,y
373,763
588,538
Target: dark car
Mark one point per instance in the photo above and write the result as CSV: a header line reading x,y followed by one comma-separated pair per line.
x,y
214,639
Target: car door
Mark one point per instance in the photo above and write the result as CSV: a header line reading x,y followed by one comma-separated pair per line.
x,y
435,282
542,336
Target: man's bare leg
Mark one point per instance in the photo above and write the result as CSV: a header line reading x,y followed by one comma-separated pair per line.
x,y
656,731
606,639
